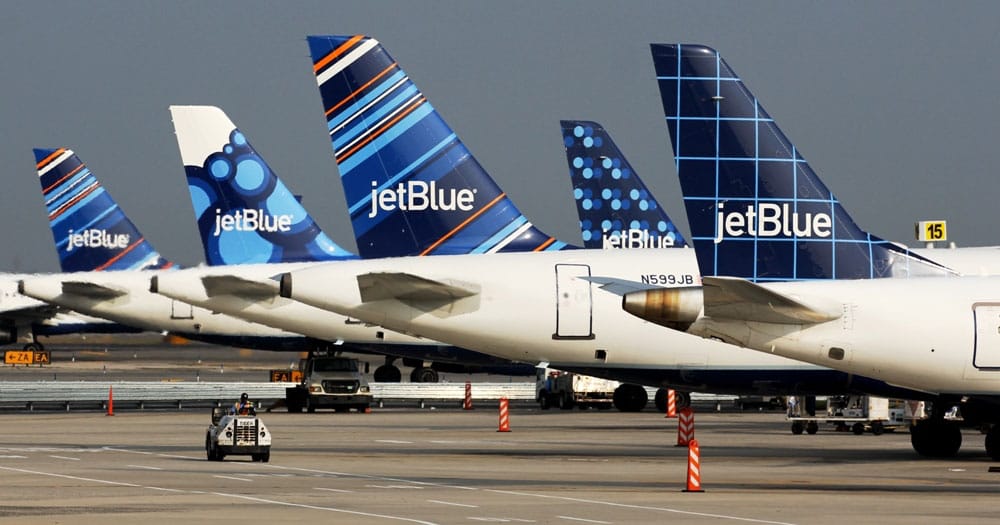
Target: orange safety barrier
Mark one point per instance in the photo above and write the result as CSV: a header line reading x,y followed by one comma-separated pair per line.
x,y
111,401
671,403
685,426
504,415
694,468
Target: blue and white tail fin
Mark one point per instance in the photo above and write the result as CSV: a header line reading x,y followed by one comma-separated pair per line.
x,y
412,187
755,207
615,208
90,231
244,212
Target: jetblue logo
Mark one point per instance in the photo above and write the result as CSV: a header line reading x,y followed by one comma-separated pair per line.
x,y
418,195
251,221
771,220
96,239
629,239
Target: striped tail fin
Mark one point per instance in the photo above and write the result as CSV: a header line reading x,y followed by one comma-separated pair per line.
x,y
616,209
245,213
90,231
412,186
757,210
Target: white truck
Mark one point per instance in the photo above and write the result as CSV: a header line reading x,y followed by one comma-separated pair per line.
x,y
329,381
855,412
235,435
566,390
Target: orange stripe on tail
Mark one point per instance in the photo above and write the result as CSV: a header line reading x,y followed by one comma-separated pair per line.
x,y
464,224
48,159
336,52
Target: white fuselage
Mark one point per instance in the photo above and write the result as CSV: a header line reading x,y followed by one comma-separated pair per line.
x,y
938,335
138,307
187,285
533,307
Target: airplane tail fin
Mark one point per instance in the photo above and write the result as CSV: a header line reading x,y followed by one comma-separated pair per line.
x,y
616,209
412,186
90,231
245,214
755,207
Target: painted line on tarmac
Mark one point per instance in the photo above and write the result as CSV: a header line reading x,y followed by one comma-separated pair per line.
x,y
508,492
639,507
452,503
333,490
584,520
13,457
233,478
144,467
222,494
394,441
64,457
330,509
67,476
501,520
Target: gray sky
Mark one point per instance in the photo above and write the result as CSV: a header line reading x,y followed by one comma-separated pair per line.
x,y
894,103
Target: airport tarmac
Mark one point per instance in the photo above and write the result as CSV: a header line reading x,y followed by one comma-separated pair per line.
x,y
452,466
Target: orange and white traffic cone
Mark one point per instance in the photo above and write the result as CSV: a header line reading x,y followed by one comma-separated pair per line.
x,y
111,401
504,415
467,404
671,403
685,426
694,468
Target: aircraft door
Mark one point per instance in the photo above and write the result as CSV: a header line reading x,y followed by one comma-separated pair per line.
x,y
181,310
987,351
573,302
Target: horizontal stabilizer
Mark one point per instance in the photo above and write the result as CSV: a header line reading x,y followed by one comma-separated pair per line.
x,y
92,290
239,286
411,288
619,286
734,298
34,313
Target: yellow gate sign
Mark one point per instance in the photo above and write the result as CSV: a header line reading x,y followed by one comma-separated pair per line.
x,y
286,376
932,231
18,357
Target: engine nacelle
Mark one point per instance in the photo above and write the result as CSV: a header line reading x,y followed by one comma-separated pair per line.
x,y
675,308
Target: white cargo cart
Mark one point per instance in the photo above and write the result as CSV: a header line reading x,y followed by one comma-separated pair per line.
x,y
857,413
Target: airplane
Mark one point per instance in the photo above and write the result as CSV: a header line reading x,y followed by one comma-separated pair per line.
x,y
537,307
387,182
226,287
92,234
787,272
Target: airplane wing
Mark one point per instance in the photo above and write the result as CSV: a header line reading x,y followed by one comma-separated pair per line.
x,y
619,286
734,298
239,286
92,290
412,289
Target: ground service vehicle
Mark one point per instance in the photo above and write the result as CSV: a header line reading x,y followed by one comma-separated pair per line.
x,y
566,390
233,435
855,412
329,381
